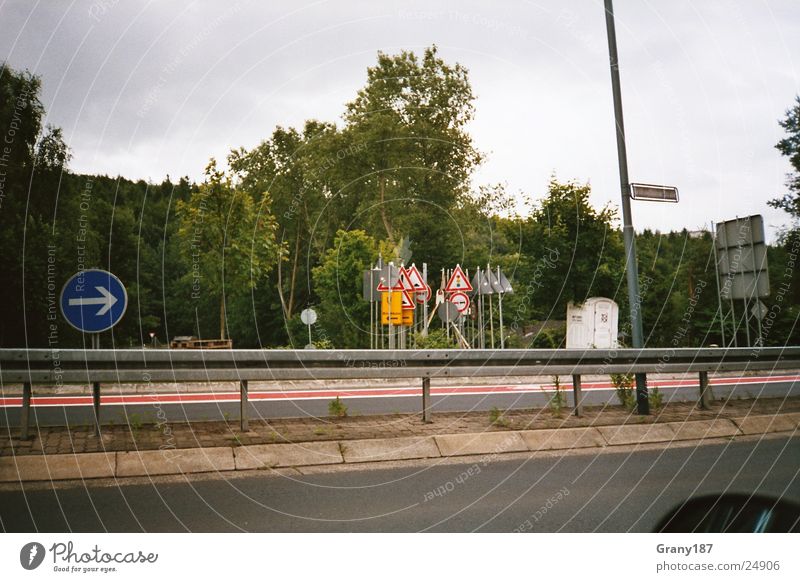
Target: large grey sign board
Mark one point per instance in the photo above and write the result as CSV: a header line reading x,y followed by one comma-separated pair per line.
x,y
742,258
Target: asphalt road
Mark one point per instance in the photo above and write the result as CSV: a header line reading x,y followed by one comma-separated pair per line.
x,y
610,492
372,404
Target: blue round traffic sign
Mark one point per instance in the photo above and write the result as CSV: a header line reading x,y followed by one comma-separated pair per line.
x,y
93,301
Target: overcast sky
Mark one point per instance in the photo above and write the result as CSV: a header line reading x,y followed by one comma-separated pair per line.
x,y
149,89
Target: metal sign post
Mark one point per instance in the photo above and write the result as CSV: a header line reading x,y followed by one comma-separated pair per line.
x,y
634,298
309,317
425,305
94,301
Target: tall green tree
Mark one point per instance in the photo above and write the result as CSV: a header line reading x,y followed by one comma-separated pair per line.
x,y
416,156
789,146
227,239
568,251
294,167
344,315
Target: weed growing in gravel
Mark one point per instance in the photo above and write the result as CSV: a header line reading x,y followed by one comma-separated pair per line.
x,y
337,408
497,418
557,400
623,386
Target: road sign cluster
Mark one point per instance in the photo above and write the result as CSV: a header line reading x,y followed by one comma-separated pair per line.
x,y
398,291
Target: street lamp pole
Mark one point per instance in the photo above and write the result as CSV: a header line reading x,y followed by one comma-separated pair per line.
x,y
634,298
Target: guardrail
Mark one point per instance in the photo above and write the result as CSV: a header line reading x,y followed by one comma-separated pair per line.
x,y
95,367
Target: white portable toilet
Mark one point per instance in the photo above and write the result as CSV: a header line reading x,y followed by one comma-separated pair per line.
x,y
594,324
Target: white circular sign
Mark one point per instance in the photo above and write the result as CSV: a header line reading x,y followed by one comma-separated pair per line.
x,y
424,295
308,316
460,300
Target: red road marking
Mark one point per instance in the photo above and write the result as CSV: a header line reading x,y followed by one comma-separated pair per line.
x,y
205,397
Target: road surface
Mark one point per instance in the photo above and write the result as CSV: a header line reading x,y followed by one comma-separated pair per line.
x,y
611,492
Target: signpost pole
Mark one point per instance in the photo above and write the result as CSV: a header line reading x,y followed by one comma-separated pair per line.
x,y
425,305
96,389
705,393
481,330
500,307
576,391
755,293
93,301
716,274
244,425
634,298
371,320
26,412
426,399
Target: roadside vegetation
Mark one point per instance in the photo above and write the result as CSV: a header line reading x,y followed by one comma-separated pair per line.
x,y
293,221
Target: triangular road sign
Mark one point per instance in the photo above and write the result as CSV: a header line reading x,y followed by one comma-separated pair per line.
x,y
408,302
458,281
405,279
415,278
504,282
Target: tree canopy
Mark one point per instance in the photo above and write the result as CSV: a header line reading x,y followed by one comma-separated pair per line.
x,y
293,221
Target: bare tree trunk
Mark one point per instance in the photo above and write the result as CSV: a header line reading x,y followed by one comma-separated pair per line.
x,y
280,284
295,262
384,216
222,317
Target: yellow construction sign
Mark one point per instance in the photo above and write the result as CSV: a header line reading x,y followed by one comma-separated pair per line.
x,y
392,307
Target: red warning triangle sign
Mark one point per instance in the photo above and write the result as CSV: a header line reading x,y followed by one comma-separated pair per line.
x,y
383,287
415,278
458,281
405,279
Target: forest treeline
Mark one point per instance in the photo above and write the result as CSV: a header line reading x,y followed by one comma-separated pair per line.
x,y
294,221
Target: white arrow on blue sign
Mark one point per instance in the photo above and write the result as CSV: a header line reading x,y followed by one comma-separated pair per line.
x,y
93,301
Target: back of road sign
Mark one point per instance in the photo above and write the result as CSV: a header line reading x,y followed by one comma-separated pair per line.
x,y
93,301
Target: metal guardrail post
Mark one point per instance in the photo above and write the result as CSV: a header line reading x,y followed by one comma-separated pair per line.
x,y
705,392
26,412
245,426
576,392
426,399
96,406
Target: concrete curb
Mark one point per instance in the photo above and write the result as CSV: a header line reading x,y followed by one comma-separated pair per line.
x,y
221,459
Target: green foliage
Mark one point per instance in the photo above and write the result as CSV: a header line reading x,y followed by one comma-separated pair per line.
x,y
299,216
623,388
435,340
344,314
557,399
549,338
227,240
337,408
417,157
568,251
789,146
497,418
655,398
135,422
